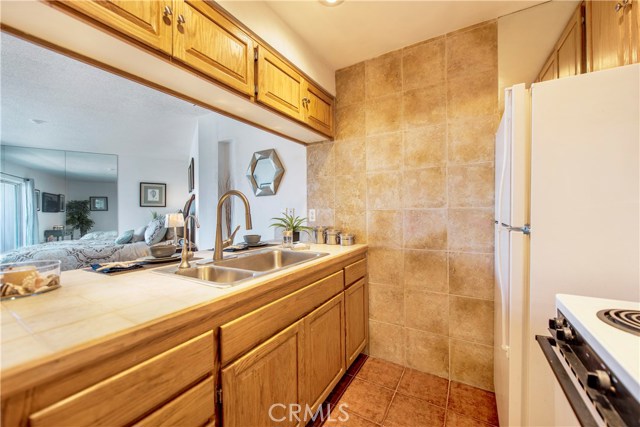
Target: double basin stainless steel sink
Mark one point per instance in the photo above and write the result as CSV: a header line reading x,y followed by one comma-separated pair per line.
x,y
231,271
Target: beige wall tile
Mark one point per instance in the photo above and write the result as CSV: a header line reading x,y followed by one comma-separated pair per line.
x,y
321,159
383,75
470,185
471,319
383,115
321,191
384,228
351,193
427,352
425,270
350,85
385,266
427,311
384,152
386,341
470,275
424,188
354,222
350,121
382,190
474,50
472,96
472,141
424,147
472,364
427,106
470,229
324,216
350,156
423,64
425,229
386,303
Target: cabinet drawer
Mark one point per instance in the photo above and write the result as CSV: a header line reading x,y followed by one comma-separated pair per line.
x,y
125,397
242,334
355,271
192,408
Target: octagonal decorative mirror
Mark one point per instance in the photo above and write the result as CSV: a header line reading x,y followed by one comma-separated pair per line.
x,y
265,172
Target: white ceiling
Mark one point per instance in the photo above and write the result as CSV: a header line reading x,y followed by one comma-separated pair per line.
x,y
357,30
85,108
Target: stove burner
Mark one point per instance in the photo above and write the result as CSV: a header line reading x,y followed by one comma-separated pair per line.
x,y
626,320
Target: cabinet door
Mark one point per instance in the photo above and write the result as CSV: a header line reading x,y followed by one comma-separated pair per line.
x,y
258,387
550,69
318,109
632,19
213,45
570,47
325,352
357,317
279,86
145,21
606,35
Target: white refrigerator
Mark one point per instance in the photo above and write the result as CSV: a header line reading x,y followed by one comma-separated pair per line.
x,y
567,220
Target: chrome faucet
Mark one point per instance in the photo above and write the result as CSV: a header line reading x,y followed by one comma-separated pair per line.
x,y
220,245
187,239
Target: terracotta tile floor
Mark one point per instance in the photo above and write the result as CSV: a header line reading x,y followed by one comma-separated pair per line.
x,y
380,393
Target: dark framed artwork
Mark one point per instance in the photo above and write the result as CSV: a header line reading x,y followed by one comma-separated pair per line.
x,y
191,178
36,195
61,199
153,195
50,202
99,203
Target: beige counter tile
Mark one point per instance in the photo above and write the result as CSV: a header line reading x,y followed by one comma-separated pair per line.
x,y
52,319
12,330
150,310
50,302
22,350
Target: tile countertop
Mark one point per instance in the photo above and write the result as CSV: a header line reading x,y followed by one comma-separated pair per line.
x,y
91,306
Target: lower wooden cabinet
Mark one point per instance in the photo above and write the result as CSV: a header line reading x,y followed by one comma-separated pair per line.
x,y
356,302
325,351
258,388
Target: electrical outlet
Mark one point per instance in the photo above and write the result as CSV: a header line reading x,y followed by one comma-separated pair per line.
x,y
312,215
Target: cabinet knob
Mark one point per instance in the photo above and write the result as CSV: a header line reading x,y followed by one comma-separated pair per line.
x,y
599,380
565,334
167,11
181,19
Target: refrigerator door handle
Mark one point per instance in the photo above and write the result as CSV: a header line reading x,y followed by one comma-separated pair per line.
x,y
524,230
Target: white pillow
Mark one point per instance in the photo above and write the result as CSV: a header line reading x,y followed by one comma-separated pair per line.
x,y
138,234
155,231
100,235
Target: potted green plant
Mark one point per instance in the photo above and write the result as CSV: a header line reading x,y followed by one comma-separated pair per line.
x,y
291,223
78,216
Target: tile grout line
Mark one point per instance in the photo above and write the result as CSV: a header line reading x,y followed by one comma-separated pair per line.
x,y
395,392
446,405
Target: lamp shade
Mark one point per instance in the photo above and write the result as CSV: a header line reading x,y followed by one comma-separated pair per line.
x,y
174,220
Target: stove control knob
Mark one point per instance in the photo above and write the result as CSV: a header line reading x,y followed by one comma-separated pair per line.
x,y
556,322
599,380
565,334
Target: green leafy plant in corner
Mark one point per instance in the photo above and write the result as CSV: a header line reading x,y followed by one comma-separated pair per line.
x,y
291,223
78,216
155,215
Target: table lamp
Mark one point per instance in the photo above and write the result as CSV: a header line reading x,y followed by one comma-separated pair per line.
x,y
174,220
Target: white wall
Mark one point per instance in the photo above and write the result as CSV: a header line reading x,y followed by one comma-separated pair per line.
x,y
525,40
207,180
46,183
83,190
132,170
263,21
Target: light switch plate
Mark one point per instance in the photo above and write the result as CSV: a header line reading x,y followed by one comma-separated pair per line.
x,y
312,215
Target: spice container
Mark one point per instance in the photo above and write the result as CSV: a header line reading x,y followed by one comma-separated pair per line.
x,y
347,239
319,234
333,237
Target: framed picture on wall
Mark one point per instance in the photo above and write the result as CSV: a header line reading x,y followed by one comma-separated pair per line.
x,y
61,198
36,195
191,177
99,203
153,195
50,202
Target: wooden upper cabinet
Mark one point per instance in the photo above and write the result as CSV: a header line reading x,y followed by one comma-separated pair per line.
x,y
149,22
213,45
612,33
550,69
270,374
318,109
279,85
325,353
570,48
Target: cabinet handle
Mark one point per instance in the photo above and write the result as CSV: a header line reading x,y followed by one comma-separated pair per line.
x,y
305,102
168,11
181,19
620,6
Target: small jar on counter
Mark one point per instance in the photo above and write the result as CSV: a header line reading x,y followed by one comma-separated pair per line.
x,y
347,239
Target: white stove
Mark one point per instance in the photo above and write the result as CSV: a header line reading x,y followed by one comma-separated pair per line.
x,y
595,355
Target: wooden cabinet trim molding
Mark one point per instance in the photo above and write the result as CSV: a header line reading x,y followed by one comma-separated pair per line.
x,y
135,391
242,334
